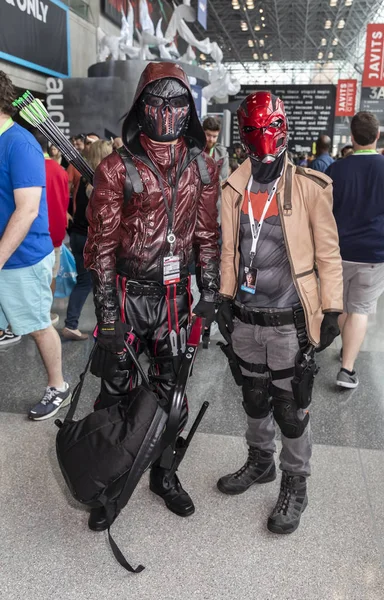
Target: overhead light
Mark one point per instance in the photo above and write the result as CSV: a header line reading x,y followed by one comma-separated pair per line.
x,y
328,24
348,2
255,56
244,26
261,11
335,42
330,55
333,3
323,42
263,25
257,27
265,56
236,6
251,43
261,43
203,57
341,24
320,55
270,54
263,18
250,4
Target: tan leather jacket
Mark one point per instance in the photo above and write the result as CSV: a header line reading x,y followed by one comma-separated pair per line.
x,y
304,198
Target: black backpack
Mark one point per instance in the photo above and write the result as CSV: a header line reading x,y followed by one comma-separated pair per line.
x,y
103,456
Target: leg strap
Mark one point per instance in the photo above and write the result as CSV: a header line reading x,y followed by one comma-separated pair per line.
x,y
252,367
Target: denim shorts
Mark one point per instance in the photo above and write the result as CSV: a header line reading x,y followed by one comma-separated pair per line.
x,y
26,297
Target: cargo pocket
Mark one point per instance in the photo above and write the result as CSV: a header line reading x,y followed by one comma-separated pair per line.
x,y
311,292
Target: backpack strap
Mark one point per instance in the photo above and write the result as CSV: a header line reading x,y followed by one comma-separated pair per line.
x,y
133,183
203,169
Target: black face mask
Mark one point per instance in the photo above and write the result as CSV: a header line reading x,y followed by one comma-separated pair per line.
x,y
267,172
164,110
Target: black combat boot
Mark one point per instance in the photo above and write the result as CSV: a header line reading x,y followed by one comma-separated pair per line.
x,y
175,497
292,501
259,468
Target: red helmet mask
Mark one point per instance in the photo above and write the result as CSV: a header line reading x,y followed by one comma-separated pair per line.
x,y
263,126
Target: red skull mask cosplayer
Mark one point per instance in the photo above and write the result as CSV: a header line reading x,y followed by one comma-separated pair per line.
x,y
263,126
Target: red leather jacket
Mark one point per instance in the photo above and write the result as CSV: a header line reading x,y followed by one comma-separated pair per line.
x,y
131,239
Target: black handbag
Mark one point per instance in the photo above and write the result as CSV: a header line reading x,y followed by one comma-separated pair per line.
x,y
103,456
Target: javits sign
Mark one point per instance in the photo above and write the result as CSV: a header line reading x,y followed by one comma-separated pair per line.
x,y
374,56
35,34
346,97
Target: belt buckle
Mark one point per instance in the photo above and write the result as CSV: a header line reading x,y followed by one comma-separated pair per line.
x,y
271,319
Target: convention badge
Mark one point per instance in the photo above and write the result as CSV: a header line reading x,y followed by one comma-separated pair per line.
x,y
249,280
171,270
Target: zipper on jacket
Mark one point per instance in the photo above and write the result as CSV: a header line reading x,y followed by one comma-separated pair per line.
x,y
293,271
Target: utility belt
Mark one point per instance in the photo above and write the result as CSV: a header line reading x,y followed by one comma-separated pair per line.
x,y
265,318
154,289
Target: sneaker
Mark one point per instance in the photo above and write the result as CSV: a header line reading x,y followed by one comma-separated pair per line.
x,y
51,402
74,335
54,319
347,379
7,337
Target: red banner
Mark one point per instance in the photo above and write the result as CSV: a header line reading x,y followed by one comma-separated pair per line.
x,y
346,97
373,75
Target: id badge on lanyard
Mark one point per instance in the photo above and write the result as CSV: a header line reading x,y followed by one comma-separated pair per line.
x,y
250,273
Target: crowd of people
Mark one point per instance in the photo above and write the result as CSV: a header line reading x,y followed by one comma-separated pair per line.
x,y
271,269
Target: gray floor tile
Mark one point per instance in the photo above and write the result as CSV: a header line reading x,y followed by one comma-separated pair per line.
x,y
373,470
222,552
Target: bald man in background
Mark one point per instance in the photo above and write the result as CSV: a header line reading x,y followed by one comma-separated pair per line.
x,y
323,158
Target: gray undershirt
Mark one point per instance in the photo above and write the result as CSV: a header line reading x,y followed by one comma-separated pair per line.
x,y
274,287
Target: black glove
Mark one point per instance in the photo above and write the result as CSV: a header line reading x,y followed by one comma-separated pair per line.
x,y
111,336
329,330
207,310
109,356
224,319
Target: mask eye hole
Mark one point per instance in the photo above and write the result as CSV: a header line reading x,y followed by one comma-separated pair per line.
x,y
248,129
179,101
153,100
277,124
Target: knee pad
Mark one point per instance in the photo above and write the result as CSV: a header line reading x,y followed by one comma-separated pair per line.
x,y
285,412
256,397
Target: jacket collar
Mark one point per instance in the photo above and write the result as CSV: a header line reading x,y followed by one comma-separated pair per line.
x,y
239,178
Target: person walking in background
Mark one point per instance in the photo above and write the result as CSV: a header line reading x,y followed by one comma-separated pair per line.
x,y
78,236
358,206
323,158
57,201
26,251
217,151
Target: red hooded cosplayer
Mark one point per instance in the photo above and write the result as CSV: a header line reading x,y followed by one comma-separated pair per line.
x,y
152,212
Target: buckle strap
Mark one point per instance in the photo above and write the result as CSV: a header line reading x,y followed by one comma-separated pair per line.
x,y
252,367
282,373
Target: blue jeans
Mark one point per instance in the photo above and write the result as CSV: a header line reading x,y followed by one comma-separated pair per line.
x,y
83,283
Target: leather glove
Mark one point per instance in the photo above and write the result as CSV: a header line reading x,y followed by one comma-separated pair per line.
x,y
329,330
224,319
111,336
108,357
207,310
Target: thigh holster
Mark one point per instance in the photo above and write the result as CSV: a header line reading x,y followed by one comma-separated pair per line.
x,y
285,411
256,401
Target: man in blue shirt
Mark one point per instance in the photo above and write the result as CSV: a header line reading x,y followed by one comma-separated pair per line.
x,y
26,251
358,206
323,158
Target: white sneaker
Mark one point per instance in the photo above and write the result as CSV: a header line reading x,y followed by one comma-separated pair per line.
x,y
7,337
54,319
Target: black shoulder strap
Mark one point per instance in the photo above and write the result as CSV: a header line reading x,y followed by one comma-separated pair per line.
x,y
203,169
133,183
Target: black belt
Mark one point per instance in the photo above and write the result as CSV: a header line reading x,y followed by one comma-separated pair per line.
x,y
154,290
263,318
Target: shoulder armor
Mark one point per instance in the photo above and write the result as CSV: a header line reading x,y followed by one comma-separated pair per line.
x,y
320,178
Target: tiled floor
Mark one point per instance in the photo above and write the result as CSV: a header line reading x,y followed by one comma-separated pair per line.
x,y
224,551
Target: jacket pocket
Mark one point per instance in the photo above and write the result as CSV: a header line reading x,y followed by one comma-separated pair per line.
x,y
311,292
